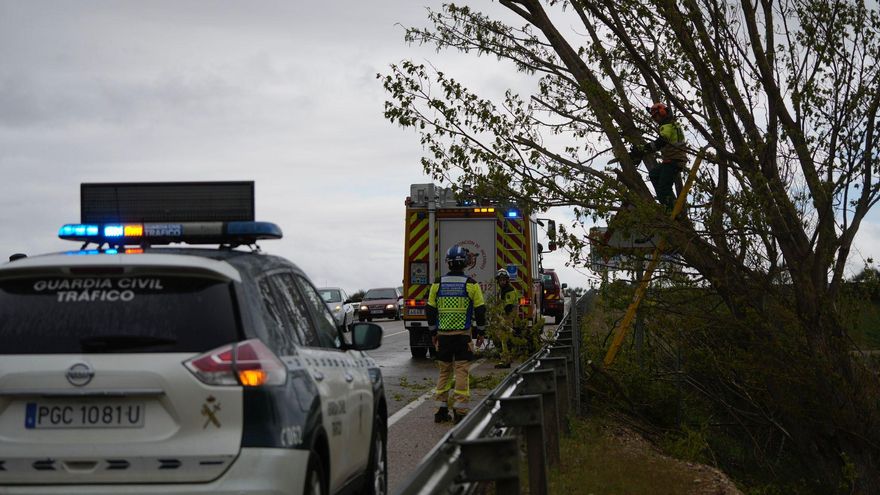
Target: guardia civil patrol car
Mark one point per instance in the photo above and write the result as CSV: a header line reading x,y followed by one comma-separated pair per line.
x,y
132,366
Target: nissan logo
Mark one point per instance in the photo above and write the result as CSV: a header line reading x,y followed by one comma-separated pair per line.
x,y
80,374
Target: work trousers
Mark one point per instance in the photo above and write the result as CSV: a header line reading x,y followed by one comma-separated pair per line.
x,y
454,356
505,333
662,178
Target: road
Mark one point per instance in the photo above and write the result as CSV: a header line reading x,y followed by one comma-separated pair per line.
x,y
408,385
412,432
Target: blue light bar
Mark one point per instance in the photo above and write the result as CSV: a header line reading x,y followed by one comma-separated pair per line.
x,y
512,214
79,230
116,234
258,230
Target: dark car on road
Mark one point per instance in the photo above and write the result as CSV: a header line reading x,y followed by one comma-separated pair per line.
x,y
383,302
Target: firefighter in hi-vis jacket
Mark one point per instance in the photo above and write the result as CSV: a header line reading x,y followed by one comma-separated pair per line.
x,y
508,297
455,306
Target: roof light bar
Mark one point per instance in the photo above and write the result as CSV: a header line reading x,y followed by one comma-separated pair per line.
x,y
119,234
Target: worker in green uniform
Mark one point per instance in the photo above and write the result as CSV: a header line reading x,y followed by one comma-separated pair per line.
x,y
673,153
508,297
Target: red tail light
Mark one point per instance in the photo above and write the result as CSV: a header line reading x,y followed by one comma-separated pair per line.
x,y
413,303
249,363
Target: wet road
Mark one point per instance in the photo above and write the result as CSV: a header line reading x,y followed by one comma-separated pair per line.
x,y
409,382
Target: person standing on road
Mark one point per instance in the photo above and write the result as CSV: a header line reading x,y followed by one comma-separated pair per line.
x,y
455,309
508,297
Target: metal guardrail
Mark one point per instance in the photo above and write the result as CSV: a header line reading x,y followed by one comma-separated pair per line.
x,y
531,404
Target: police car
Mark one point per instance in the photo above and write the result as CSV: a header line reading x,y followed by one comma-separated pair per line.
x,y
181,369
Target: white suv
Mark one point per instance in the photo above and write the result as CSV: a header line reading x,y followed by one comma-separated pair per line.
x,y
181,370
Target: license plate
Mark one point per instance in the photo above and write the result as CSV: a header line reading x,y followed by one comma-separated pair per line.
x,y
376,311
45,415
416,312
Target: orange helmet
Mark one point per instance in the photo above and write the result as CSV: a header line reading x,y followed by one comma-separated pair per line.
x,y
659,112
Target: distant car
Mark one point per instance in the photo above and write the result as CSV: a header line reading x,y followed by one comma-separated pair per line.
x,y
337,302
385,302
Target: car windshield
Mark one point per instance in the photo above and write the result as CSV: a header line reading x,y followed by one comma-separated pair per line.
x,y
114,313
330,295
380,294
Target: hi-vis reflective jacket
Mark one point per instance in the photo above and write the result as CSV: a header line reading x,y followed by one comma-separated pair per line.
x,y
673,147
509,298
455,302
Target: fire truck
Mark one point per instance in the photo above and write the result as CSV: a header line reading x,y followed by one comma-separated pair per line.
x,y
502,236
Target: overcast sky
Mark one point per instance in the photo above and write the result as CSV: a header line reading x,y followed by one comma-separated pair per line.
x,y
279,92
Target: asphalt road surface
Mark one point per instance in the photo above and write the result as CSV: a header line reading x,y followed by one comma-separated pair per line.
x,y
409,383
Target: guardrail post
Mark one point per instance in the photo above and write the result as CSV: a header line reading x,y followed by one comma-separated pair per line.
x,y
560,364
526,412
543,383
563,351
491,459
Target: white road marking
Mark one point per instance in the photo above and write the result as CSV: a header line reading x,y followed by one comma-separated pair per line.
x,y
416,403
396,333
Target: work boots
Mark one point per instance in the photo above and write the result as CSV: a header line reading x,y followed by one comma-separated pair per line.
x,y
457,416
442,415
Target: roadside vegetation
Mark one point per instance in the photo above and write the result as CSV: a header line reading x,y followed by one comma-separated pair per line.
x,y
699,388
603,458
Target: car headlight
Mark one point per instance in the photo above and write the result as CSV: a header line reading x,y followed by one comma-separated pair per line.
x,y
364,308
337,308
389,306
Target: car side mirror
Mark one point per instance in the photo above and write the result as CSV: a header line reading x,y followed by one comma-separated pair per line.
x,y
365,336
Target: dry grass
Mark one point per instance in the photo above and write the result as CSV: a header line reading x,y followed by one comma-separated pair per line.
x,y
603,459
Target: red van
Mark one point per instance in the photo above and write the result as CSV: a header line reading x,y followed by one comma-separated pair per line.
x,y
552,303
